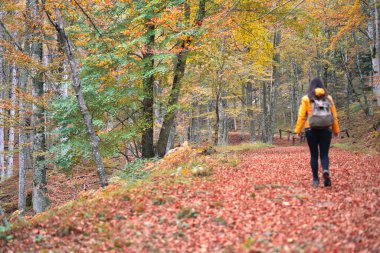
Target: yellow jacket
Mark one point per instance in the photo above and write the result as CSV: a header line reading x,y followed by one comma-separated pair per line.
x,y
306,109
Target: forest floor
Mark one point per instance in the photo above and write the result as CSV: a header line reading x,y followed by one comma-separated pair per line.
x,y
255,200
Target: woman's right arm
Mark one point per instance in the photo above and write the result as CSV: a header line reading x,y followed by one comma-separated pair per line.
x,y
302,116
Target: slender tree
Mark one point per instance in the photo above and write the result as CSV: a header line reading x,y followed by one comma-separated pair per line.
x,y
274,86
252,132
12,114
2,111
4,219
23,138
94,139
148,101
39,197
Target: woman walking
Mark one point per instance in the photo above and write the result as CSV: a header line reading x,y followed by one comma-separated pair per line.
x,y
317,114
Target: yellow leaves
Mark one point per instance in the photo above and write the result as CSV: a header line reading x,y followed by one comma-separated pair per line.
x,y
352,17
106,63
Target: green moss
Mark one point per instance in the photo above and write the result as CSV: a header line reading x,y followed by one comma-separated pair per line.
x,y
244,147
351,147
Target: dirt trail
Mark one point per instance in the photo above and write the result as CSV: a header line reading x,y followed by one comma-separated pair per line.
x,y
263,204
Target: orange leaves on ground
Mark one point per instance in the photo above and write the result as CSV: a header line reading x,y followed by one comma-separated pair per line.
x,y
265,203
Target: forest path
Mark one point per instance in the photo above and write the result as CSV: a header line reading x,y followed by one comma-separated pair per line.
x,y
265,203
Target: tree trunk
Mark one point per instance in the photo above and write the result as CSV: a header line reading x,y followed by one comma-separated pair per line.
x,y
242,115
348,83
377,50
11,139
234,117
252,132
217,119
171,138
361,78
195,123
349,86
264,109
209,121
274,87
23,138
2,112
39,196
223,122
63,69
4,219
292,102
94,139
159,109
148,101
374,34
179,71
295,97
2,136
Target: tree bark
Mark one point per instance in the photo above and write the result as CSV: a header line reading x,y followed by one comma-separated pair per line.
x,y
39,196
242,115
94,139
365,106
377,50
11,138
274,87
223,121
234,117
252,132
374,35
217,118
350,91
4,219
195,123
179,71
295,94
348,83
264,109
23,138
209,121
2,112
171,138
63,69
148,101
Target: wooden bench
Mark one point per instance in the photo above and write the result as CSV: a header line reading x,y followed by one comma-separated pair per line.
x,y
294,136
303,135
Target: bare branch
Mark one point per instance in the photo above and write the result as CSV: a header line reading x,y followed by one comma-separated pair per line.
x,y
271,11
89,18
14,42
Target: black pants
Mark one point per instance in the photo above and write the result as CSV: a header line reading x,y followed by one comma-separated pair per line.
x,y
319,138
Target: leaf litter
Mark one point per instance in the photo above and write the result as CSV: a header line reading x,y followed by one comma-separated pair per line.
x,y
264,204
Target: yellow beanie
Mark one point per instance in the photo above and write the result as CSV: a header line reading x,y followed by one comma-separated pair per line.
x,y
319,92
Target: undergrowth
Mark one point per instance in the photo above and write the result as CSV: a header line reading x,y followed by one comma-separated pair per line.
x,y
135,170
182,165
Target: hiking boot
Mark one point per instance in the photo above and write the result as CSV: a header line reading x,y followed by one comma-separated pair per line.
x,y
327,180
315,183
